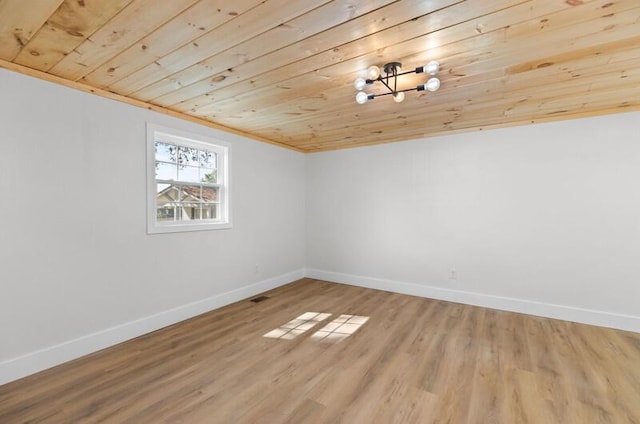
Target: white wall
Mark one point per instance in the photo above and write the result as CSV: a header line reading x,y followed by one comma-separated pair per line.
x,y
542,219
78,270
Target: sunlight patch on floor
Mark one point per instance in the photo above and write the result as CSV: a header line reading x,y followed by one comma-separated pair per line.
x,y
297,326
340,328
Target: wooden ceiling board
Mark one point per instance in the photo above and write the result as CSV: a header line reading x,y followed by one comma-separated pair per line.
x,y
407,30
446,36
252,24
218,68
138,19
474,116
71,24
623,31
622,76
231,102
18,24
187,27
324,57
562,98
349,59
349,142
251,58
282,72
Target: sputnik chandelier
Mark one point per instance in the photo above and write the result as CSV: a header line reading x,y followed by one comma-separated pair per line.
x,y
390,81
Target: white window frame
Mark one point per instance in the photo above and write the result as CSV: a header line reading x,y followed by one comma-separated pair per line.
x,y
187,139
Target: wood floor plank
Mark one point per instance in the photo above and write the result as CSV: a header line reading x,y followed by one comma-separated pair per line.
x,y
414,360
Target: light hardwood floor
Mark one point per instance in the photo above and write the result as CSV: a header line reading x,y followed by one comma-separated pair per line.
x,y
414,361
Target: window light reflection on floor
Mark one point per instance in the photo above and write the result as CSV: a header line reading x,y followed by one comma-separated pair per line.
x,y
298,326
340,328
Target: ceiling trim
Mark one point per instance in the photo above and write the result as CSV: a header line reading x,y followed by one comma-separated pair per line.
x,y
138,103
553,118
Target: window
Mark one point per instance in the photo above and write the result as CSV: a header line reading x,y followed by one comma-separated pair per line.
x,y
188,181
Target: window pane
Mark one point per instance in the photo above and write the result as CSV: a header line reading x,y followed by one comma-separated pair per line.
x,y
190,174
209,211
167,193
188,156
165,152
190,211
167,212
208,175
208,159
166,171
209,194
190,193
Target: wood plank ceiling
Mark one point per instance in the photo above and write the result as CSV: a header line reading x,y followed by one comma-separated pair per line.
x,y
282,71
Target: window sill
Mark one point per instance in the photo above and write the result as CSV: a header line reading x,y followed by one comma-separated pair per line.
x,y
181,228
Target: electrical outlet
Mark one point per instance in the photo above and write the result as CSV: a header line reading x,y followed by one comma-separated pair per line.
x,y
453,274
256,269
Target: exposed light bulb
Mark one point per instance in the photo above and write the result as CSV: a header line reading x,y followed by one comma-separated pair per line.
x,y
398,97
360,83
373,72
433,84
432,67
362,97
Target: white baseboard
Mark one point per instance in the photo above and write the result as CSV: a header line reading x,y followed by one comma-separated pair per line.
x,y
567,313
33,362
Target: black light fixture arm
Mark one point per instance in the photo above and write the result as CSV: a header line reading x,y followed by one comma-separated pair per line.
x,y
392,92
418,70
